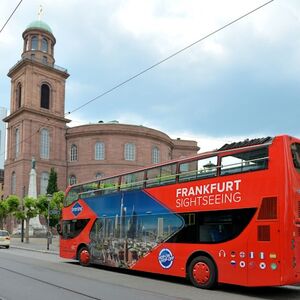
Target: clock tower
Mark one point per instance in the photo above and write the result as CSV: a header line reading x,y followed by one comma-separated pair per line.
x,y
36,124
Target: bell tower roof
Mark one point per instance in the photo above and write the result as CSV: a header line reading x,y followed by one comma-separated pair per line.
x,y
38,24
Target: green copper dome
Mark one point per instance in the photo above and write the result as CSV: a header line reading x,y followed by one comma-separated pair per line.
x,y
39,25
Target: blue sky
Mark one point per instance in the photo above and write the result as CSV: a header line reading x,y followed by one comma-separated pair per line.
x,y
242,82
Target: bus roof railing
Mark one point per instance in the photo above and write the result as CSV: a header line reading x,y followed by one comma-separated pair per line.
x,y
182,175
207,154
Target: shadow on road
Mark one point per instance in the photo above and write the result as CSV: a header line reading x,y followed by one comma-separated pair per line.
x,y
272,293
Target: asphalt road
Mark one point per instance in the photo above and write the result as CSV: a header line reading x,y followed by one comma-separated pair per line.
x,y
35,275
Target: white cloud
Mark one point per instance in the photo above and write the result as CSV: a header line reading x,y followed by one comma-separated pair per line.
x,y
235,82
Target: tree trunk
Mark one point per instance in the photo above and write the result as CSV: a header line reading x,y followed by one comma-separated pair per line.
x,y
27,231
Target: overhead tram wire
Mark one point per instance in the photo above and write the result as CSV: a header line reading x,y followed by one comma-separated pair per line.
x,y
149,68
168,58
11,15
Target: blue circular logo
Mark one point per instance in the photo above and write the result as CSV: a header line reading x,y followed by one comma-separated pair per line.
x,y
165,258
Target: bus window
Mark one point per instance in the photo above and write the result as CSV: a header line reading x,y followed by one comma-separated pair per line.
x,y
88,190
73,195
244,161
161,175
132,181
296,155
109,185
213,227
202,168
72,228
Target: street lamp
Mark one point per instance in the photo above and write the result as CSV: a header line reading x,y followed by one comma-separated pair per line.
x,y
49,197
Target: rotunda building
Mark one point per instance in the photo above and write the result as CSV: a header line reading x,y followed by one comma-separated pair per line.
x,y
104,149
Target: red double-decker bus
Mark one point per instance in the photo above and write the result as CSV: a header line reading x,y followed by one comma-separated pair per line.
x,y
226,216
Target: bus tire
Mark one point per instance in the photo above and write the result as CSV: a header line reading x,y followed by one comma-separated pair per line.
x,y
84,256
202,272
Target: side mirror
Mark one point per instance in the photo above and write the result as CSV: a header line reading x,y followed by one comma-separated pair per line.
x,y
58,228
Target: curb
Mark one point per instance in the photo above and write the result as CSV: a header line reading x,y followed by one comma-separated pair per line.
x,y
35,250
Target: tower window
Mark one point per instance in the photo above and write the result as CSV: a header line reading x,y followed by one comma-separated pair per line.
x,y
44,45
44,144
129,152
17,141
74,153
34,43
19,95
44,183
45,96
13,183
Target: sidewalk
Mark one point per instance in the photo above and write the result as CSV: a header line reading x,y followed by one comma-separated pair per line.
x,y
36,244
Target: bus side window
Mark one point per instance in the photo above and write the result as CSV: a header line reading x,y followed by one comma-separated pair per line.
x,y
161,175
197,169
132,181
296,155
109,185
244,161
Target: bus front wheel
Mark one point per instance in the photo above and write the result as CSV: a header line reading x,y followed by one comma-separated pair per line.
x,y
202,272
84,256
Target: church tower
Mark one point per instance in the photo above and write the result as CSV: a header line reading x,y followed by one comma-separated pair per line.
x,y
36,124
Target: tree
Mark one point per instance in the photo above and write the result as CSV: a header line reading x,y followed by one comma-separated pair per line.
x,y
52,183
55,207
13,203
3,212
11,206
30,211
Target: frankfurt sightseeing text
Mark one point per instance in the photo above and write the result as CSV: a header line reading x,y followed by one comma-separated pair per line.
x,y
209,194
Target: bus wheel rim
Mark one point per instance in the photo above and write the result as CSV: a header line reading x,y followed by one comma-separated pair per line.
x,y
84,256
201,273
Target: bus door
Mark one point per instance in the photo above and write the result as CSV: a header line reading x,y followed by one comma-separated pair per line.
x,y
296,240
295,151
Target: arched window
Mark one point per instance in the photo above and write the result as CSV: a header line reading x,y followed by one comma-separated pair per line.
x,y
34,43
99,151
129,151
155,155
72,179
17,142
13,183
44,143
45,96
44,45
44,183
73,153
99,175
19,95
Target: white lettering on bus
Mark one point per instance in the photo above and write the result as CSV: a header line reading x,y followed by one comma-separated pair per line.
x,y
219,187
209,194
208,200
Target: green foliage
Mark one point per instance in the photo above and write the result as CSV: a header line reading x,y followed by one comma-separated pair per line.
x,y
55,205
31,208
3,212
13,203
3,209
52,183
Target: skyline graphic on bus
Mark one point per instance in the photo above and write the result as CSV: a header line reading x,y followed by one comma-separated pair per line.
x,y
129,226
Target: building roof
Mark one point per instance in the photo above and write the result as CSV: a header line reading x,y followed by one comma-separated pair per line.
x,y
38,24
